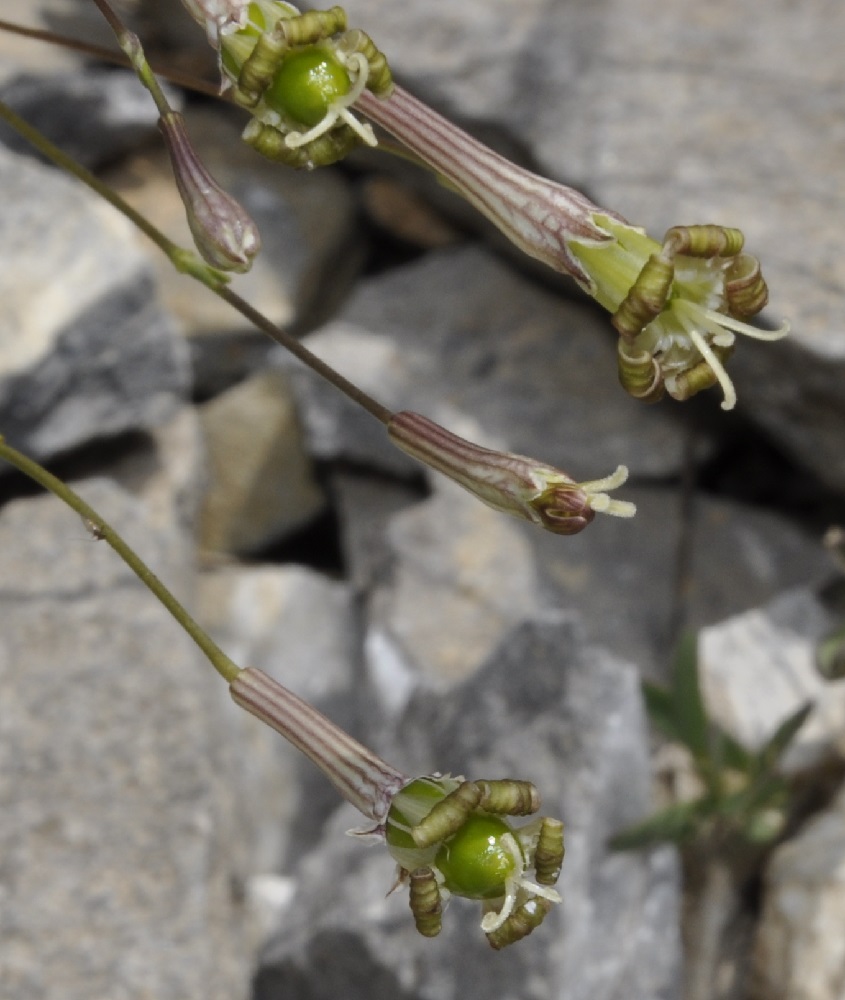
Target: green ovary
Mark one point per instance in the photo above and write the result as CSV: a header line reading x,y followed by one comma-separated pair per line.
x,y
306,85
475,863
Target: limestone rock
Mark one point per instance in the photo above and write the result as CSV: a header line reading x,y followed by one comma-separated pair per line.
x,y
116,799
799,953
757,668
260,484
85,349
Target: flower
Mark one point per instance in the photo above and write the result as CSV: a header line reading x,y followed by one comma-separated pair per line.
x,y
449,837
677,305
299,75
514,484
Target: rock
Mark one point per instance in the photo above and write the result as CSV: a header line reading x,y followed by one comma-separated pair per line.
x,y
458,334
94,115
622,576
300,628
86,350
799,953
546,708
117,802
462,577
260,482
757,668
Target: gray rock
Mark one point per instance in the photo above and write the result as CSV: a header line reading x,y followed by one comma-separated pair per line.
x,y
117,837
569,718
799,954
462,577
260,483
757,668
623,576
95,115
459,334
85,349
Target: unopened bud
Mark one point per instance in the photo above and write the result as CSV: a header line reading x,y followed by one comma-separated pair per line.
x,y
515,484
224,232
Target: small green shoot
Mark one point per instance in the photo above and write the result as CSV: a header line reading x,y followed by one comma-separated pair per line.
x,y
743,796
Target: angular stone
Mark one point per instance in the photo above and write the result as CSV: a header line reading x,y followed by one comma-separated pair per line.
x,y
116,795
799,953
463,576
569,718
95,115
85,350
757,668
260,482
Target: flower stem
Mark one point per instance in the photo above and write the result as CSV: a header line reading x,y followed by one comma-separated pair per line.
x,y
224,666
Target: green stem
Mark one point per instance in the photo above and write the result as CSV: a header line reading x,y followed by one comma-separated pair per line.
x,y
224,666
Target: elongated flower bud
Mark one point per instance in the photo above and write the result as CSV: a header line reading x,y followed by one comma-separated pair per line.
x,y
224,232
515,484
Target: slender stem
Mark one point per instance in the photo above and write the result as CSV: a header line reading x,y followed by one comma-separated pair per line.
x,y
190,263
360,775
218,659
101,53
131,45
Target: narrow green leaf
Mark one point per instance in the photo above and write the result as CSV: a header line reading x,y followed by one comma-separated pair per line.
x,y
688,707
674,824
659,705
774,748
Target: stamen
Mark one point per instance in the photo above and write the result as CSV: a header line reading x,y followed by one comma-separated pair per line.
x,y
745,328
611,482
688,313
493,921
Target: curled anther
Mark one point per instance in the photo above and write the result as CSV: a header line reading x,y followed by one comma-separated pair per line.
x,y
646,298
524,919
379,77
259,68
312,26
549,853
508,798
745,288
639,373
704,241
448,816
424,900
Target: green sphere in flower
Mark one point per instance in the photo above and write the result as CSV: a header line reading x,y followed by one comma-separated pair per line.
x,y
479,858
307,83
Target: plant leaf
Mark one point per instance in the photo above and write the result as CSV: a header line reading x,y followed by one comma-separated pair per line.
x,y
773,749
687,705
660,707
674,824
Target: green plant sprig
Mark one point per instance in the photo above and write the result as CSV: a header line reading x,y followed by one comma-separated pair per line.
x,y
743,795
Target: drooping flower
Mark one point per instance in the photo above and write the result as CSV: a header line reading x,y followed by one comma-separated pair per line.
x,y
449,837
677,305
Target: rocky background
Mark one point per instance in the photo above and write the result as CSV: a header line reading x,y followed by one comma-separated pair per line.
x,y
155,842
